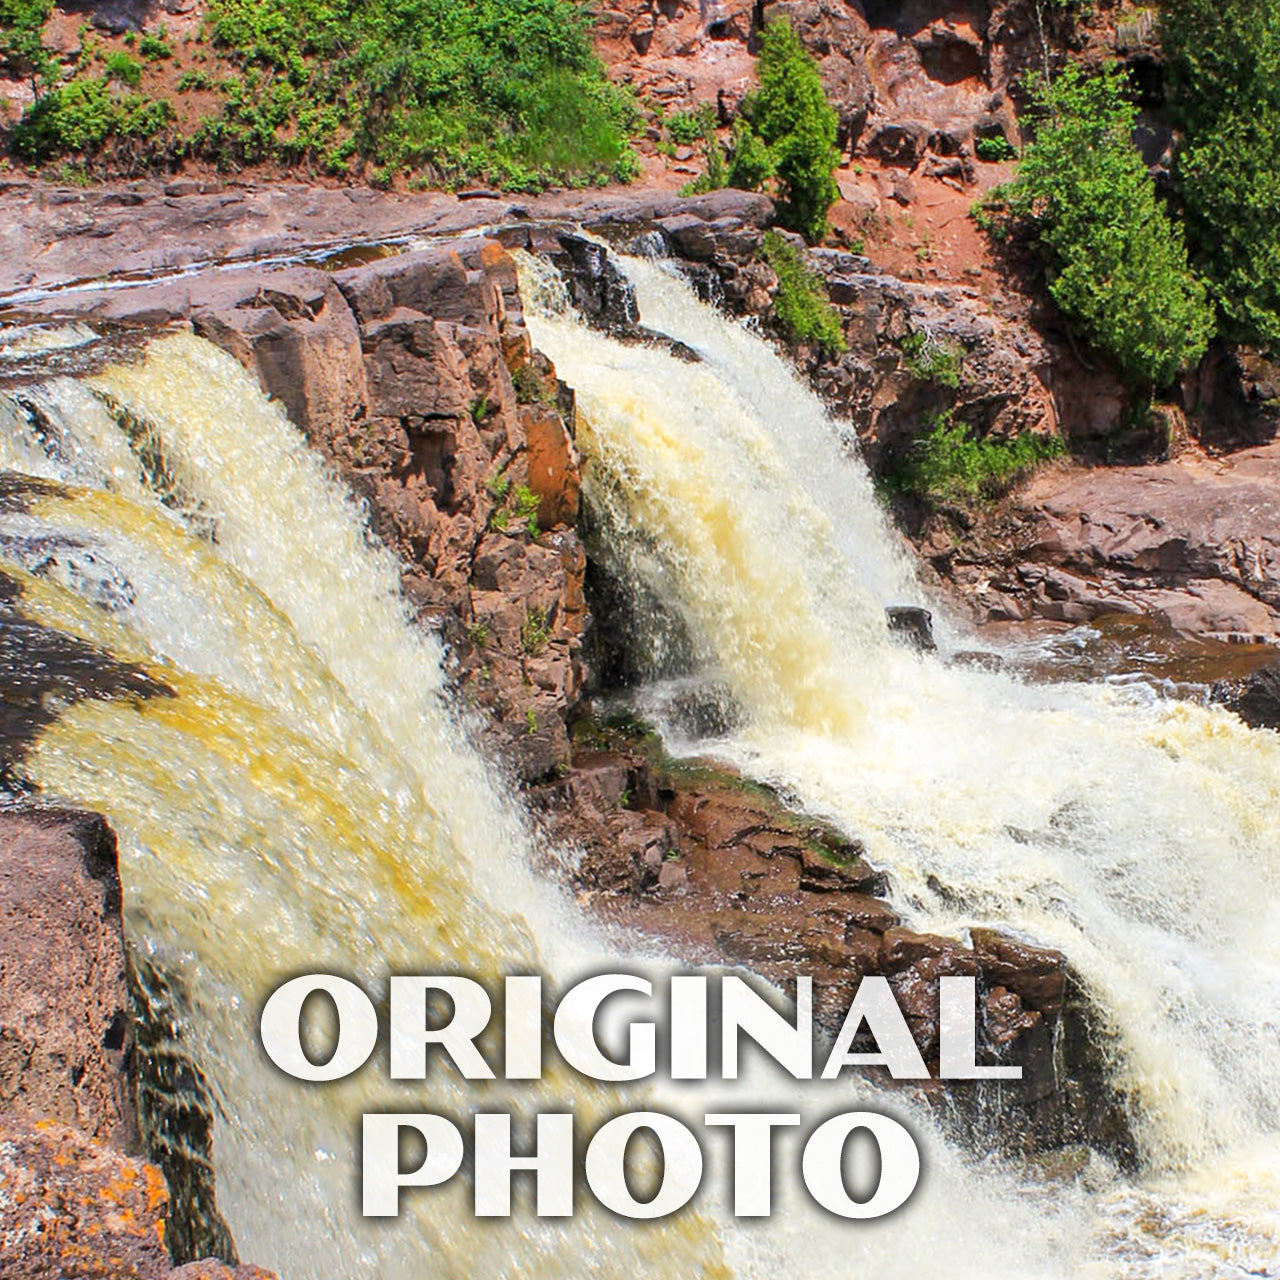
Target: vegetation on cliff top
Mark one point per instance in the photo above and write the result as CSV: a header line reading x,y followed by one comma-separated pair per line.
x,y
786,134
1224,94
441,91
1115,259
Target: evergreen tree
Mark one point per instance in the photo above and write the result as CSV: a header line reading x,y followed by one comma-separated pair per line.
x,y
1115,259
1224,95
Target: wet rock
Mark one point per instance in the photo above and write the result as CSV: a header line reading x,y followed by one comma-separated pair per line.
x,y
913,624
1255,699
599,290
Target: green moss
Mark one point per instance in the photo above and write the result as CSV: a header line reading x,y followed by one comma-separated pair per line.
x,y
801,304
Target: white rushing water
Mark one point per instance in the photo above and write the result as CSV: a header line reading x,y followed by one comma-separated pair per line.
x,y
1141,837
308,801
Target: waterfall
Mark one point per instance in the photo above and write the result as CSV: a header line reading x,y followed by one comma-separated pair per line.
x,y
1139,836
307,800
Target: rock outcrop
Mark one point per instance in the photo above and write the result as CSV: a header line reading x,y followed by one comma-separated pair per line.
x,y
1193,541
75,1198
725,872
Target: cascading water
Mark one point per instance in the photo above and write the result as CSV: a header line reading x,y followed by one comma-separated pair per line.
x,y
304,800
1140,837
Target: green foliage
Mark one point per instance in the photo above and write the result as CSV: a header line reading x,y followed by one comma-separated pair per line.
x,y
750,161
82,115
509,91
1116,261
791,114
154,48
120,66
535,631
801,303
519,506
716,174
688,127
531,387
190,80
948,464
525,508
928,360
1224,95
22,48
994,148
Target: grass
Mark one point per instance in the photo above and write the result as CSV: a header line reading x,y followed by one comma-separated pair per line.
x,y
801,305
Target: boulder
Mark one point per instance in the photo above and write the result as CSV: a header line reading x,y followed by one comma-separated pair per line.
x,y
1255,699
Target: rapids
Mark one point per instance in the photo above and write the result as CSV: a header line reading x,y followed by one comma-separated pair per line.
x,y
307,799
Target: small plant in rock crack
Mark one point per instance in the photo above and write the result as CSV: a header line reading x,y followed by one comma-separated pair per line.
x,y
531,719
478,633
535,630
927,359
498,486
519,507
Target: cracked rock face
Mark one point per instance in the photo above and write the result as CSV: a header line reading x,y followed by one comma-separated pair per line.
x,y
1191,541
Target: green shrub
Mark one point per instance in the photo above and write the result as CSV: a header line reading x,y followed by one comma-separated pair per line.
x,y
687,127
1224,95
509,91
791,114
716,174
120,66
928,360
154,48
994,148
1116,261
948,464
801,304
82,115
750,162
190,80
22,47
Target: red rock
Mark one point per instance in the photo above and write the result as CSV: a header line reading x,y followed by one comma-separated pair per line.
x,y
553,466
65,1036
